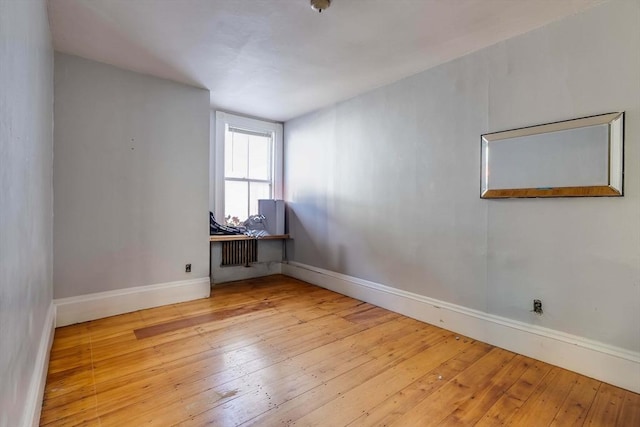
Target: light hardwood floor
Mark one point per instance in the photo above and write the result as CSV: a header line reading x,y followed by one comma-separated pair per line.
x,y
276,351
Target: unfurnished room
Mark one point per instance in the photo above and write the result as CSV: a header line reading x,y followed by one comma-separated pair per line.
x,y
319,213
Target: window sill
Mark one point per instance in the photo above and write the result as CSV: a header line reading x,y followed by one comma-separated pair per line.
x,y
229,238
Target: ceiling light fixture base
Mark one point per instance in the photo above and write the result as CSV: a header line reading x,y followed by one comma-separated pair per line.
x,y
320,5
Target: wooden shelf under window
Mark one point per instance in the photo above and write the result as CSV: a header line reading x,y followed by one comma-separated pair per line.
x,y
232,237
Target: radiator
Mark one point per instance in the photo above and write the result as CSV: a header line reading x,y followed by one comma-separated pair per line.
x,y
239,252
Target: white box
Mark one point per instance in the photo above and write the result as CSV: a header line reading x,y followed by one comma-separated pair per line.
x,y
273,211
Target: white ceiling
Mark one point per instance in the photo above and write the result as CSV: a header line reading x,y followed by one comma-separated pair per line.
x,y
277,59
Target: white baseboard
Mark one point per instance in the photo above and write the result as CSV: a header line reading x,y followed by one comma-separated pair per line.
x,y
83,308
33,405
603,362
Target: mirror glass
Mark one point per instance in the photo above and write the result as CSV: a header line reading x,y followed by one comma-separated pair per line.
x,y
581,157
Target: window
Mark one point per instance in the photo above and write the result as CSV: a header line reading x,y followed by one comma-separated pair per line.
x,y
247,172
247,158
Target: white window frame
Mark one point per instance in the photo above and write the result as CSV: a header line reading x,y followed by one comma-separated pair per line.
x,y
222,120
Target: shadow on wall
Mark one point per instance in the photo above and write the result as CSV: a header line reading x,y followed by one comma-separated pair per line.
x,y
360,242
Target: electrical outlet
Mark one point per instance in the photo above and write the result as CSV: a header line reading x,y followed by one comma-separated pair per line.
x,y
537,306
187,268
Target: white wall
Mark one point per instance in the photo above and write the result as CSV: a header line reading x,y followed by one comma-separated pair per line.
x,y
26,200
131,171
385,186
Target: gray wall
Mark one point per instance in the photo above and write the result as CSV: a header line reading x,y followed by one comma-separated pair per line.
x,y
385,186
131,170
26,200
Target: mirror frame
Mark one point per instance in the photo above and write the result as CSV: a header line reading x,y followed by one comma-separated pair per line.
x,y
615,173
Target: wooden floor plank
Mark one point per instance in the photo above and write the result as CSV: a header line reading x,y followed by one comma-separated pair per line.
x,y
457,390
275,351
398,404
606,407
79,378
384,355
63,359
630,411
515,396
367,395
471,409
574,410
70,336
77,405
545,402
294,409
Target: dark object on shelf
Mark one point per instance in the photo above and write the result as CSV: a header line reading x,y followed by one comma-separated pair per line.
x,y
219,229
